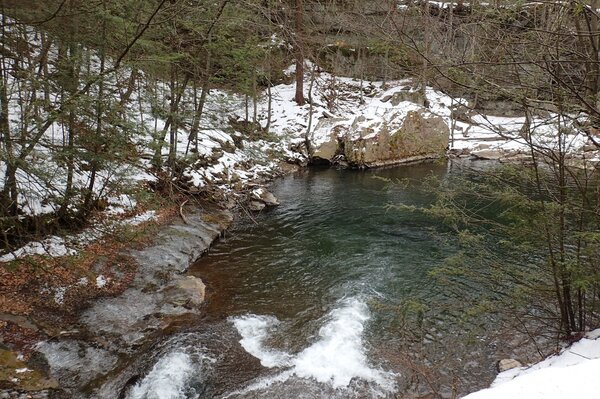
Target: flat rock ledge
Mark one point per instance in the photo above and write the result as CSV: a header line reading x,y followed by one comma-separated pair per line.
x,y
113,329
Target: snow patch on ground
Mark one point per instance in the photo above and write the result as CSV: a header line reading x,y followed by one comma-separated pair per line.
x,y
52,246
55,246
571,374
101,281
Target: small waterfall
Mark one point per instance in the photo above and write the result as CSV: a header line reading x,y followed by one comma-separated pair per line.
x,y
168,379
337,359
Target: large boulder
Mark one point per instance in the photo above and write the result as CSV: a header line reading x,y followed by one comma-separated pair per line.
x,y
325,140
398,138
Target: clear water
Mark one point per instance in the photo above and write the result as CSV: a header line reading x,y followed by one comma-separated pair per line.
x,y
311,295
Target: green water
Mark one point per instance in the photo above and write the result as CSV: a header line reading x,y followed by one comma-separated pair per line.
x,y
317,289
333,236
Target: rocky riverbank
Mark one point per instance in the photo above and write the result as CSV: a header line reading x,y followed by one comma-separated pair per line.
x,y
106,334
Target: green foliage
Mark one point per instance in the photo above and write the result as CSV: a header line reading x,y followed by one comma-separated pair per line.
x,y
517,239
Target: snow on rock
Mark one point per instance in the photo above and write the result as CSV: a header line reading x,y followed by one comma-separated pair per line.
x,y
22,370
344,106
571,374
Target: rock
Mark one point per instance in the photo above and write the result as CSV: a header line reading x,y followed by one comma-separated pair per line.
x,y
256,206
74,363
458,152
417,136
326,151
463,114
323,151
415,97
187,291
265,197
499,107
508,364
487,154
516,158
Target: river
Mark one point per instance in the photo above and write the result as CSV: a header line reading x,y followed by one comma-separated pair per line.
x,y
329,296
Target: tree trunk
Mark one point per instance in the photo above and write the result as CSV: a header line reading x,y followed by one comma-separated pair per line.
x,y
299,50
174,120
130,87
159,139
71,84
269,106
254,99
307,135
96,149
8,199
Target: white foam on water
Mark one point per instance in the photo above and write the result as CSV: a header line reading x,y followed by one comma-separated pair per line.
x,y
336,358
166,380
339,355
254,330
261,384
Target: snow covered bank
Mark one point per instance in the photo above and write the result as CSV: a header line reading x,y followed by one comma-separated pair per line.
x,y
574,373
368,110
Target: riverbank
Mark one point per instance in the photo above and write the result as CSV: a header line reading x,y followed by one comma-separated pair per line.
x,y
97,324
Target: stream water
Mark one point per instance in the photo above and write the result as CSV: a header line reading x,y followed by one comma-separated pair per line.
x,y
308,300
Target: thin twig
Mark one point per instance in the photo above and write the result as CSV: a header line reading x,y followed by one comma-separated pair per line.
x,y
181,211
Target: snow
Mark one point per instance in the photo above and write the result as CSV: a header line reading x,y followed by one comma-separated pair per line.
x,y
142,218
22,370
59,295
120,204
101,281
55,246
228,160
571,374
52,246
